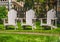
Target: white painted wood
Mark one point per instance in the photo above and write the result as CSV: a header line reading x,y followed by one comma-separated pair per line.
x,y
12,15
29,17
51,15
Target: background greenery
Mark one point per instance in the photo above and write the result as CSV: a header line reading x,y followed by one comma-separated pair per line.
x,y
3,12
40,6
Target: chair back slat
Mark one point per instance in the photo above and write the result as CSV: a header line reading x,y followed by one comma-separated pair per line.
x,y
12,14
29,16
50,15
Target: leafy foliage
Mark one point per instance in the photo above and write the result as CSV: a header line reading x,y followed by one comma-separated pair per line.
x,y
3,12
42,1
19,0
29,4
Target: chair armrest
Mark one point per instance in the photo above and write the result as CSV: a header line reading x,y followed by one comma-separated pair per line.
x,y
5,20
54,19
34,19
42,18
20,19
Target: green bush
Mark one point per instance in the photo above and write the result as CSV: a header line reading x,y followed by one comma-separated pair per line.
x,y
3,12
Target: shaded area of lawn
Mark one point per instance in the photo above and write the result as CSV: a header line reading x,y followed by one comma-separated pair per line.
x,y
27,38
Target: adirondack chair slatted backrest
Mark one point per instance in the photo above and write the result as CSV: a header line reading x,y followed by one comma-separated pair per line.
x,y
50,15
12,14
29,16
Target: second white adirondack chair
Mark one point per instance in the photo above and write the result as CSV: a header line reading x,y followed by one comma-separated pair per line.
x,y
51,15
30,14
12,15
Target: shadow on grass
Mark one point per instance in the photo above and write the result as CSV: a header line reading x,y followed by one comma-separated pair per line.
x,y
9,28
26,28
47,28
58,25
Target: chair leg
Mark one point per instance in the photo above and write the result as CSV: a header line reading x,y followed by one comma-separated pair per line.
x,y
16,27
32,28
35,27
51,27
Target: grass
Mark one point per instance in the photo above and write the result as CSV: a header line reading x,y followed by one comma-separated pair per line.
x,y
27,38
38,29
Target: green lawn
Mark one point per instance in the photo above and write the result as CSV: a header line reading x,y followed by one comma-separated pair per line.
x,y
38,29
27,38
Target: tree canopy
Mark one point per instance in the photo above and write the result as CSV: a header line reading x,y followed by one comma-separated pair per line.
x,y
29,4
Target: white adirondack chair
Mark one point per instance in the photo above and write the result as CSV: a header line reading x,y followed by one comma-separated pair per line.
x,y
12,15
51,15
30,14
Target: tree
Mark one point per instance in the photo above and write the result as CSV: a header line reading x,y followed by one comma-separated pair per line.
x,y
29,4
40,8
